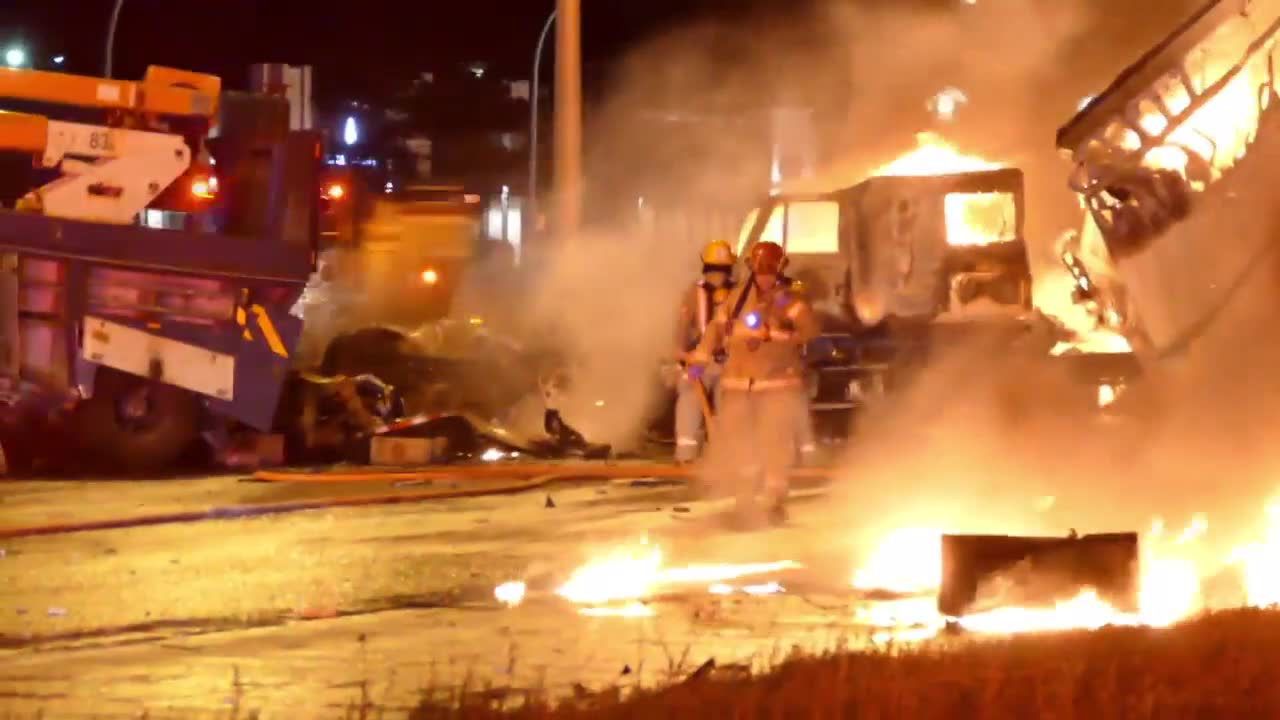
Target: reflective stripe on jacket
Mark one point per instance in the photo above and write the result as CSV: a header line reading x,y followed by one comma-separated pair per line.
x,y
766,341
696,311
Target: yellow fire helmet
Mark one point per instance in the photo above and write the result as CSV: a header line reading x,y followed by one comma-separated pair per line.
x,y
718,252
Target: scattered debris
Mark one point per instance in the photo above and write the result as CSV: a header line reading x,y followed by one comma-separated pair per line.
x,y
999,570
254,450
703,671
626,670
329,418
549,504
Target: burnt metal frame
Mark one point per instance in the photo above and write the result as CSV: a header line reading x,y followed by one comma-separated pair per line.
x,y
1134,85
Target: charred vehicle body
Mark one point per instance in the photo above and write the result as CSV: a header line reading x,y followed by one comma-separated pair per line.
x,y
902,268
1182,129
396,300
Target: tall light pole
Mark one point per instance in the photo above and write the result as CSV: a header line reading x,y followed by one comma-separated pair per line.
x,y
111,37
531,209
568,138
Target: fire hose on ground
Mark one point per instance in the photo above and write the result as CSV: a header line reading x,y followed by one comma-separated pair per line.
x,y
485,480
553,471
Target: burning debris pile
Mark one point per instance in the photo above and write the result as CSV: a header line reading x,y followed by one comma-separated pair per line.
x,y
919,582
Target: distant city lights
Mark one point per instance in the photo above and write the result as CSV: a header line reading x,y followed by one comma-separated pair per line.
x,y
15,57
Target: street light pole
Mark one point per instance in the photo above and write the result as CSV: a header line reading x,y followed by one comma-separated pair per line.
x,y
568,118
111,37
531,209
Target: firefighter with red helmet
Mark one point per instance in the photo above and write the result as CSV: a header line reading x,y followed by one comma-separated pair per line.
x,y
700,304
764,327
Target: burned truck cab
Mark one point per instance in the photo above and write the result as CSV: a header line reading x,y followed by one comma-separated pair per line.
x,y
896,265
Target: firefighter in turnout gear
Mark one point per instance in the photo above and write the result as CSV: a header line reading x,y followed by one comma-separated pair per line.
x,y
764,326
699,307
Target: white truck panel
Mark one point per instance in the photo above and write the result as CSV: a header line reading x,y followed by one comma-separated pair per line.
x,y
134,351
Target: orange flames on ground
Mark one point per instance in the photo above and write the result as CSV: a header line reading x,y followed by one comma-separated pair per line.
x,y
629,574
909,562
1173,565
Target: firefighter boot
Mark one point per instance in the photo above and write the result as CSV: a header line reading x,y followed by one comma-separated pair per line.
x,y
774,501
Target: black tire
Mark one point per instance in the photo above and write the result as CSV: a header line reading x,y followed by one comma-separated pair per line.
x,y
164,425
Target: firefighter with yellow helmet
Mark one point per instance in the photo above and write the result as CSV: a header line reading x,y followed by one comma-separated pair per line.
x,y
764,326
700,304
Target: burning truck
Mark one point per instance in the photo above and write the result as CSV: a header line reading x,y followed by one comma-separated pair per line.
x,y
1171,162
926,254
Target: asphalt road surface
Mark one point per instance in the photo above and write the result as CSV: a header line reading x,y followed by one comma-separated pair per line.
x,y
310,614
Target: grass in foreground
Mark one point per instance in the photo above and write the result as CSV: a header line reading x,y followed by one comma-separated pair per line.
x,y
1225,665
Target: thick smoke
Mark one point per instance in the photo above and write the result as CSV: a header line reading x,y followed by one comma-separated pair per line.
x,y
685,127
982,441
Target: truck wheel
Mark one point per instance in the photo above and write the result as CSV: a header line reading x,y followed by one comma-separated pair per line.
x,y
135,425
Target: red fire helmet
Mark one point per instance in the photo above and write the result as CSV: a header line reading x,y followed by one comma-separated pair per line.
x,y
767,258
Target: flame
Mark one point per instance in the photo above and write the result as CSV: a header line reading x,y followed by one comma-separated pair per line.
x,y
1107,394
632,573
1097,340
1258,563
910,561
1219,132
1093,326
623,574
1085,611
907,561
1216,134
510,593
972,218
933,156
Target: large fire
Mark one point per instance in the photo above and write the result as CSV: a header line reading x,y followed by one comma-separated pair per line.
x,y
1213,136
1218,133
908,564
1173,565
972,218
933,156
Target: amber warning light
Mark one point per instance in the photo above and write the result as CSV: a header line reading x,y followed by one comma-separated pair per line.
x,y
204,187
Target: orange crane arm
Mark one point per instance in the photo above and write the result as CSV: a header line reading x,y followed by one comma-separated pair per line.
x,y
162,91
20,132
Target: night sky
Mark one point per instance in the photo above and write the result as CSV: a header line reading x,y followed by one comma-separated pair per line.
x,y
358,48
